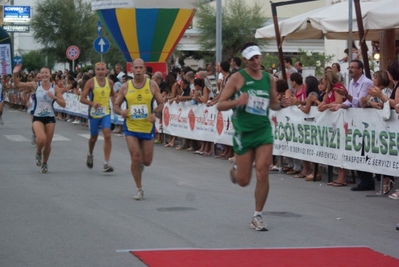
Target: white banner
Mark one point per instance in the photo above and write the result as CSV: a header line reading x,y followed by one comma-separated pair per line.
x,y
356,139
197,122
5,59
109,4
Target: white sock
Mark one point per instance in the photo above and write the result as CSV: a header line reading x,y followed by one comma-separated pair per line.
x,y
256,213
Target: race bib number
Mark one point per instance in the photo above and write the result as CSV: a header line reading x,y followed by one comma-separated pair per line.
x,y
98,112
257,105
43,109
138,112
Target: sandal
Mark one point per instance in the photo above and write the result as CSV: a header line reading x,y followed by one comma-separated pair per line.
x,y
394,196
337,184
332,183
310,177
292,171
273,169
286,169
299,175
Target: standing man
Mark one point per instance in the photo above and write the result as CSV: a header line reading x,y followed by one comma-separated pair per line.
x,y
250,92
358,88
289,69
235,64
139,115
100,91
119,72
298,67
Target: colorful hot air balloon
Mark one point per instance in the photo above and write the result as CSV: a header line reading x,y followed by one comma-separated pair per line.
x,y
151,30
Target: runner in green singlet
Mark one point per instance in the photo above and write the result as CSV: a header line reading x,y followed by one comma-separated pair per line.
x,y
251,93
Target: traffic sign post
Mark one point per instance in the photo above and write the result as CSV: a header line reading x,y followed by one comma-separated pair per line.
x,y
101,46
17,60
73,53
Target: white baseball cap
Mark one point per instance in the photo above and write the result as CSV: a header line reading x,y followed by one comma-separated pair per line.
x,y
251,51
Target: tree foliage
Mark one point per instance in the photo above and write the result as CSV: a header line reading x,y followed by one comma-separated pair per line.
x,y
58,24
34,60
239,23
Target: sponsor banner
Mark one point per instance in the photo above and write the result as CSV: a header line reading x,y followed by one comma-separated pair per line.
x,y
109,4
5,59
316,137
369,143
197,122
356,139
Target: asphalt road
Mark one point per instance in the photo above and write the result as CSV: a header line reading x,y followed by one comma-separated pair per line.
x,y
74,216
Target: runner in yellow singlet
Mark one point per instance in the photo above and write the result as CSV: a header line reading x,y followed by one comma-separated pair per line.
x,y
100,91
139,115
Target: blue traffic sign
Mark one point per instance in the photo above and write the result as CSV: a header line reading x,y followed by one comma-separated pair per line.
x,y
99,29
17,60
101,45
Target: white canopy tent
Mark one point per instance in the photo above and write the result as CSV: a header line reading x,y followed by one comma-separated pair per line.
x,y
332,21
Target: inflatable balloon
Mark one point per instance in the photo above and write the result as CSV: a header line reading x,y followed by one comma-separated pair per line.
x,y
151,30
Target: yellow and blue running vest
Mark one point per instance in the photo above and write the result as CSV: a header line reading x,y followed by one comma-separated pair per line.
x,y
139,105
100,94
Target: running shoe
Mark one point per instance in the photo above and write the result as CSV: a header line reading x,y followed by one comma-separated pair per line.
x,y
1,121
33,141
89,161
107,168
44,168
258,224
38,160
139,195
233,173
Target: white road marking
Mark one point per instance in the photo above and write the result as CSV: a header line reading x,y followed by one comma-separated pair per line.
x,y
87,136
57,137
16,138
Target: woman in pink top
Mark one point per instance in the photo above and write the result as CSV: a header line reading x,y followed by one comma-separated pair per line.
x,y
299,98
299,90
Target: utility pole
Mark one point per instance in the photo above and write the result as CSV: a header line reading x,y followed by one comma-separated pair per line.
x,y
218,30
12,35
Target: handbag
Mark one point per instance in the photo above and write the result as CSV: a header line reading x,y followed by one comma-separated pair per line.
x,y
386,111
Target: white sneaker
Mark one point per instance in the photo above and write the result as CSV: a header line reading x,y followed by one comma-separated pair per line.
x,y
258,224
38,160
233,173
33,141
139,195
75,122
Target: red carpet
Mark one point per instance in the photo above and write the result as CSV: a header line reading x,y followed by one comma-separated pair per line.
x,y
273,257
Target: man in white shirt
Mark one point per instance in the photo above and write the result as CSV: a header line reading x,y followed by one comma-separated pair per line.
x,y
358,88
119,72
